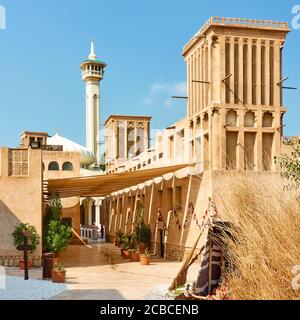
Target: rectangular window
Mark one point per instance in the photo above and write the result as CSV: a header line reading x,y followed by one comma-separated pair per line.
x,y
192,150
263,76
236,73
254,74
271,75
227,72
206,152
231,150
249,159
130,143
267,142
171,147
206,77
18,162
245,74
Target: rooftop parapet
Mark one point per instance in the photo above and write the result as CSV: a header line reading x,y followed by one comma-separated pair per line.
x,y
239,23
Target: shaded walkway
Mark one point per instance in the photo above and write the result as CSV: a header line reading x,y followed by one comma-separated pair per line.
x,y
100,273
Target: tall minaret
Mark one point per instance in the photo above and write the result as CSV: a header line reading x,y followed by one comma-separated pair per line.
x,y
92,74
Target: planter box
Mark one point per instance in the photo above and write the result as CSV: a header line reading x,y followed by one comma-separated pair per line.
x,y
22,264
135,257
145,260
58,276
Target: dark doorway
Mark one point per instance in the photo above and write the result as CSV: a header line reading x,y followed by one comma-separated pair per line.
x,y
161,242
82,222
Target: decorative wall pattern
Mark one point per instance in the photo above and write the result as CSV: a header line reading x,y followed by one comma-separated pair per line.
x,y
18,162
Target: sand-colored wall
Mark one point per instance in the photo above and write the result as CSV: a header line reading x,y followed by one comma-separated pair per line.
x,y
164,194
195,193
20,199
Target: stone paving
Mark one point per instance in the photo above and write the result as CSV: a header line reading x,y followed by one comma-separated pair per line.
x,y
98,272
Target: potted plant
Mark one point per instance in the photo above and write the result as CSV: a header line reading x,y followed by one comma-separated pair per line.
x,y
142,232
18,238
57,233
145,258
135,256
143,236
57,237
126,240
59,273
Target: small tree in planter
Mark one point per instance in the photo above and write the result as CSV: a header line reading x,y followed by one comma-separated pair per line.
x,y
142,231
57,234
18,238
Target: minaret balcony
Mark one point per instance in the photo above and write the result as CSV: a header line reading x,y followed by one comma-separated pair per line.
x,y
92,74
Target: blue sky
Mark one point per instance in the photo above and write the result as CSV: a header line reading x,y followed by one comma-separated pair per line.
x,y
141,42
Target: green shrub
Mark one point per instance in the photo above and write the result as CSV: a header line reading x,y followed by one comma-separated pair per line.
x,y
143,234
57,236
142,230
19,238
290,165
126,242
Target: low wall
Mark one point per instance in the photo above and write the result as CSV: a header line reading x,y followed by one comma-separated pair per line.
x,y
14,261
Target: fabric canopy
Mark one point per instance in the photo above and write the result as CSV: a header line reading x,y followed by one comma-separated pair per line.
x,y
102,185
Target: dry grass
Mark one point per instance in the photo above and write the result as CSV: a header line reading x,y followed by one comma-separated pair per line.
x,y
265,242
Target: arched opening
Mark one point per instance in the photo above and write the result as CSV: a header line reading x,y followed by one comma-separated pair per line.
x,y
231,118
249,120
53,166
267,120
67,166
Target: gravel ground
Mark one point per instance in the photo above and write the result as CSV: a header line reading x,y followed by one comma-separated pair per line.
x,y
19,289
159,293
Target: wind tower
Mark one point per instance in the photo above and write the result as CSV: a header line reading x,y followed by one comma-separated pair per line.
x,y
92,74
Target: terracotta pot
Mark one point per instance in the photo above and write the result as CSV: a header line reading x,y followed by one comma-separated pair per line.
x,y
141,249
126,254
145,260
22,264
135,257
58,276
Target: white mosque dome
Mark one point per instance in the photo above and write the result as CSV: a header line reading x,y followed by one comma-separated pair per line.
x,y
86,156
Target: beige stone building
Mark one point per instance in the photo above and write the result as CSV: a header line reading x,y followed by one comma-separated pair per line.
x,y
233,123
126,138
23,170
